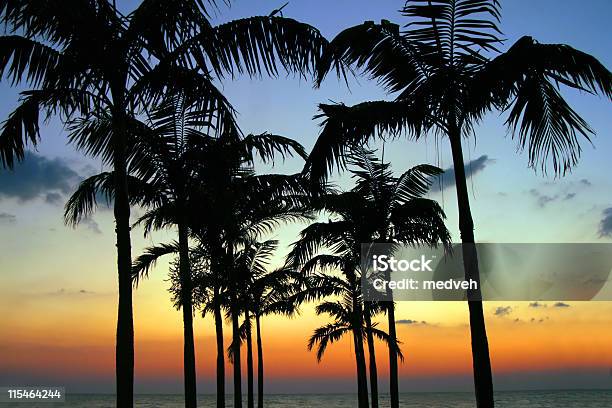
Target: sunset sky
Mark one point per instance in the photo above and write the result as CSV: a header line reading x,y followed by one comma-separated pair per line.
x,y
58,285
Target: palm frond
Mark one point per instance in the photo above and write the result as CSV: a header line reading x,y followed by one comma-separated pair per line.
x,y
458,29
267,146
263,44
415,182
379,50
26,60
348,127
325,335
22,125
147,260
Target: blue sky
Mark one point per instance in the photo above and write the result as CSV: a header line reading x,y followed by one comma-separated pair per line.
x,y
510,202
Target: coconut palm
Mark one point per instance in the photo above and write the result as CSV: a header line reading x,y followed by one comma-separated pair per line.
x,y
371,309
169,141
209,291
380,208
178,157
231,206
84,56
241,206
344,324
265,293
252,262
446,72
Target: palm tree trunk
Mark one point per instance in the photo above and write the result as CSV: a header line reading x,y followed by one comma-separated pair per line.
x,y
393,365
236,352
483,381
249,341
220,351
372,354
189,369
362,382
260,372
124,349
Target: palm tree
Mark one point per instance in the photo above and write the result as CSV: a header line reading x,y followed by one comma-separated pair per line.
x,y
380,208
169,142
371,309
183,167
265,293
228,207
252,262
242,206
344,324
209,292
446,73
84,56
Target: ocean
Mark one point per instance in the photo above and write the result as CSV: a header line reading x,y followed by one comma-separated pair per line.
x,y
504,399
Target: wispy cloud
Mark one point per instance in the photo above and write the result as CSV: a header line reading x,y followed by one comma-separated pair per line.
x,y
502,311
38,177
91,225
6,218
410,321
472,168
605,224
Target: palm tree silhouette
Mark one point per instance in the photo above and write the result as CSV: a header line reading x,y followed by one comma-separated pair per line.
x,y
251,261
183,168
446,73
169,143
264,293
371,309
85,59
380,208
210,287
241,206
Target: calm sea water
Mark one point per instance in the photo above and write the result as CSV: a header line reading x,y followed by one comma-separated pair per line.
x,y
508,399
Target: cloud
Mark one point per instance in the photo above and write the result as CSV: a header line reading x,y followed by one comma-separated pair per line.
x,y
542,199
68,292
471,169
91,225
38,176
537,305
503,311
561,304
6,218
605,225
569,196
410,321
53,198
549,192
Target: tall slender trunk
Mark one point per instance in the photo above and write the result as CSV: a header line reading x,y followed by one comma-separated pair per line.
x,y
362,381
483,381
372,355
189,369
124,351
260,365
220,351
236,352
249,344
393,365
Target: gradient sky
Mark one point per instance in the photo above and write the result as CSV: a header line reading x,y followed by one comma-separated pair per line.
x,y
58,285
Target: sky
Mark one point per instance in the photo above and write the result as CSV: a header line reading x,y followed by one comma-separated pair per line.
x,y
58,285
